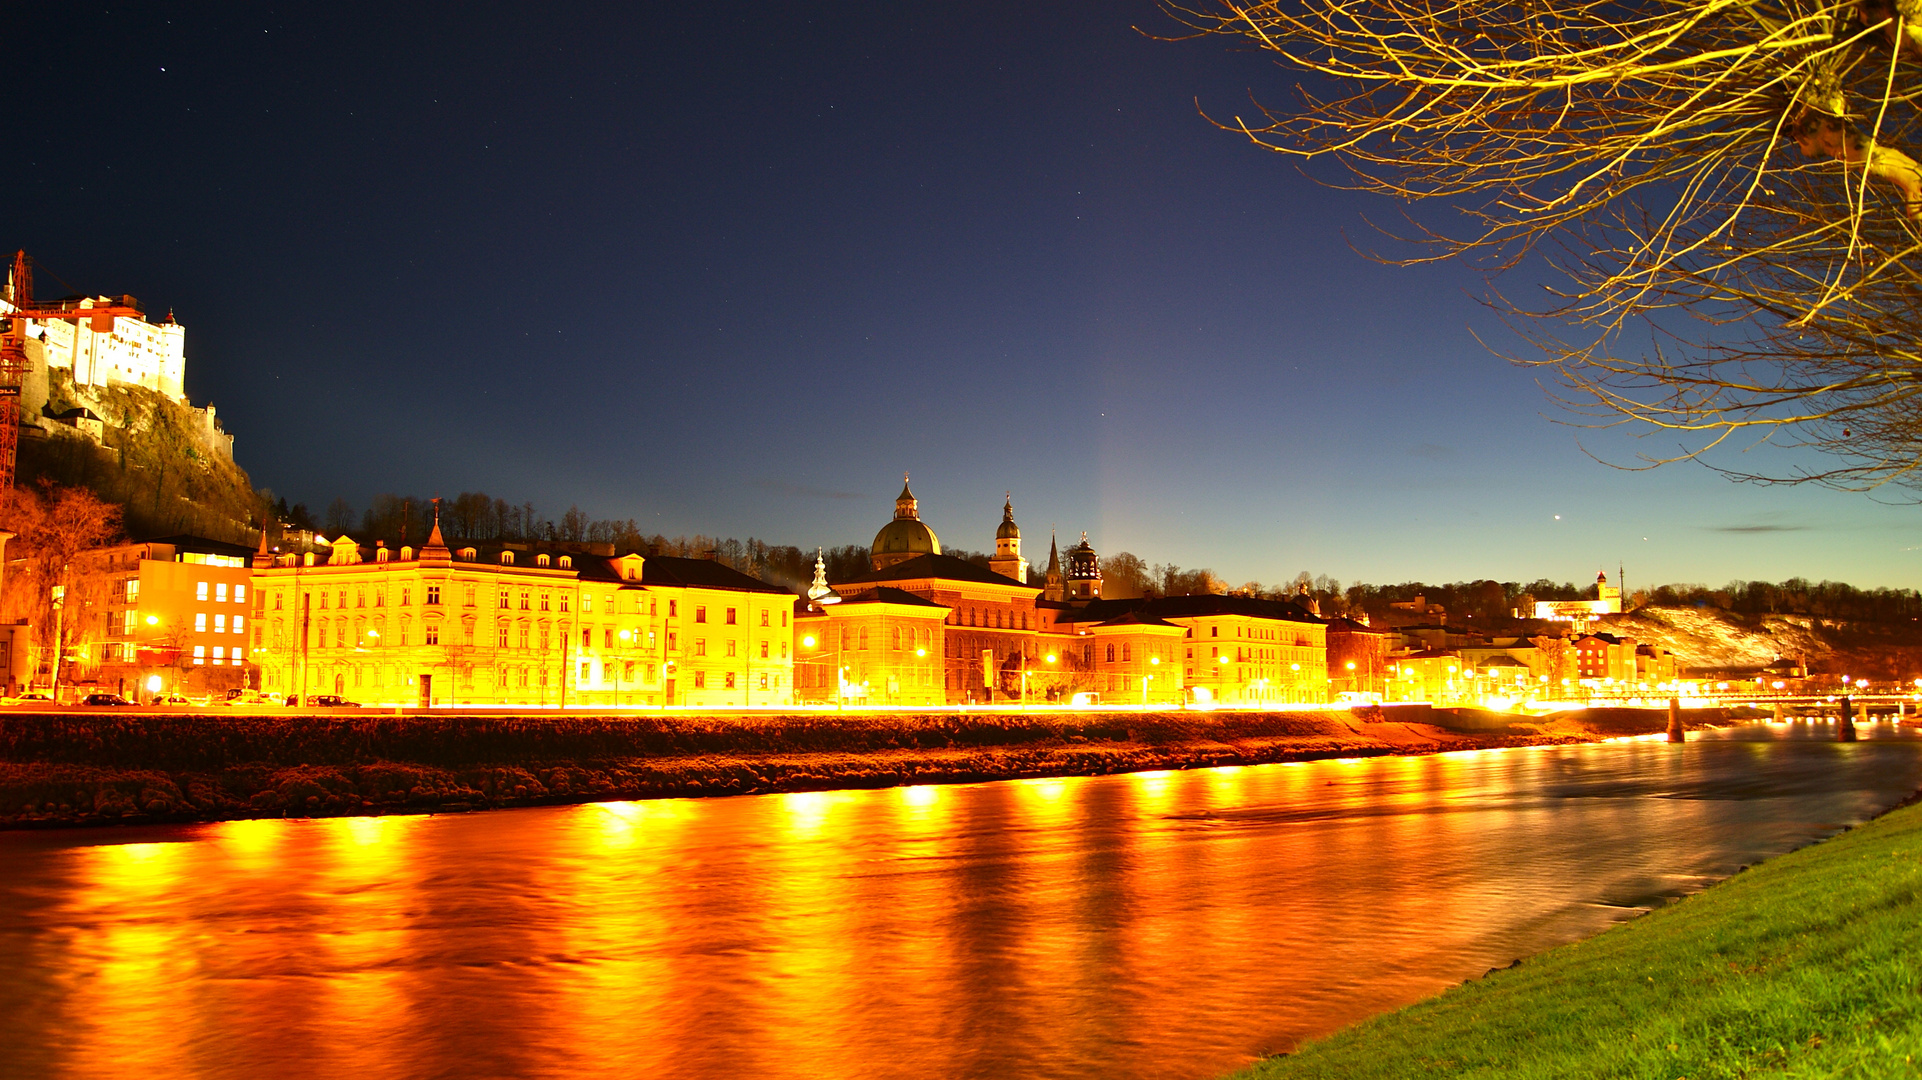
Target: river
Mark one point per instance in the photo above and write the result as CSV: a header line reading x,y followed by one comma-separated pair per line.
x,y
1150,925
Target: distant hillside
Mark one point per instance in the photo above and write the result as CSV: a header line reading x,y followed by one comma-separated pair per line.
x,y
1710,637
155,460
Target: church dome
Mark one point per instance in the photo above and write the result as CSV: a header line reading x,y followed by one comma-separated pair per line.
x,y
906,536
1008,530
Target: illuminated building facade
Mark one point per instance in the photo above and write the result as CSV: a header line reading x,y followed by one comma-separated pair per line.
x,y
1232,649
519,628
1608,601
176,608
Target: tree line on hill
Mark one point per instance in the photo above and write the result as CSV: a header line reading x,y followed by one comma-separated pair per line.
x,y
480,518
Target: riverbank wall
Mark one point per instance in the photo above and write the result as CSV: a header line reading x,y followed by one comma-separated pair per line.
x,y
79,769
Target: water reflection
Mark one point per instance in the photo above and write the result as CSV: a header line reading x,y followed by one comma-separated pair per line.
x,y
1157,925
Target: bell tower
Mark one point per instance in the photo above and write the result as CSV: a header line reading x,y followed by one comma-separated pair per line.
x,y
1007,559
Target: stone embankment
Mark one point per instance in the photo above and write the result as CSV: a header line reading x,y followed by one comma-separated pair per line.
x,y
108,768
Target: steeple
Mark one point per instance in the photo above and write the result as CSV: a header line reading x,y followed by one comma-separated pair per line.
x,y
1007,560
1055,589
820,592
436,549
1084,572
263,557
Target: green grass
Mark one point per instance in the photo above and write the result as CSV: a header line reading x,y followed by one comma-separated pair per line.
x,y
1807,965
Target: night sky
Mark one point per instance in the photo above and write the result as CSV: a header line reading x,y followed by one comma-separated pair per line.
x,y
733,270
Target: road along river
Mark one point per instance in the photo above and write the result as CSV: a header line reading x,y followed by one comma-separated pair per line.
x,y
1146,925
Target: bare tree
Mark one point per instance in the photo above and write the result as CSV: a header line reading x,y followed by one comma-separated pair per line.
x,y
1722,184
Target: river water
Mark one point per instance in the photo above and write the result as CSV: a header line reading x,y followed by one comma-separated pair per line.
x,y
1151,925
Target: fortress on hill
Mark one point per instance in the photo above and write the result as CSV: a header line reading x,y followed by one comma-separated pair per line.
x,y
77,374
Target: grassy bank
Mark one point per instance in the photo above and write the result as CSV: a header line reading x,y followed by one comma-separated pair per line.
x,y
99,768
1807,965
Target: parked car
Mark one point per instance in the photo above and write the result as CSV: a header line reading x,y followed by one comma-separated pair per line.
x,y
323,701
31,697
105,699
238,696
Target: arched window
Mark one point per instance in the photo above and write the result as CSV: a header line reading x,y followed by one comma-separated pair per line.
x,y
507,558
541,560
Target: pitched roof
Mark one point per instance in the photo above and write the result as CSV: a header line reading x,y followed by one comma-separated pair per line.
x,y
671,570
1136,618
937,567
1188,607
888,594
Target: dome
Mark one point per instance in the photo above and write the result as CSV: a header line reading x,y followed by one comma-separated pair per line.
x,y
906,536
1008,530
909,536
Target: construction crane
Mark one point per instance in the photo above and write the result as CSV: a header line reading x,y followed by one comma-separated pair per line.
x,y
13,348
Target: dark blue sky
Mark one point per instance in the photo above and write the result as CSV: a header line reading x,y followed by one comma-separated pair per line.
x,y
732,271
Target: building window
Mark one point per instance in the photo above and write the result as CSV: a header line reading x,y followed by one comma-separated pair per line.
x,y
220,592
1111,653
864,638
220,653
133,590
700,646
433,594
763,618
730,680
200,654
525,600
470,596
700,614
278,597
220,624
504,604
587,638
200,590
503,636
730,616
200,622
700,680
526,634
343,599
433,634
544,602
730,648
764,680
671,639
764,650
673,608
587,604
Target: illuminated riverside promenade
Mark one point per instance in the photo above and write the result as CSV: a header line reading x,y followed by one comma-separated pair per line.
x,y
1146,925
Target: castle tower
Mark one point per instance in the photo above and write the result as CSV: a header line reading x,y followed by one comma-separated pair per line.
x,y
1007,559
1609,596
906,537
1084,573
1055,589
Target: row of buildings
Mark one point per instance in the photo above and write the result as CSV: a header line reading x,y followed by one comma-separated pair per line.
x,y
578,625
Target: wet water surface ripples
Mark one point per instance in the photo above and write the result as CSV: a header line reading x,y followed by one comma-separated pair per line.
x,y
1151,925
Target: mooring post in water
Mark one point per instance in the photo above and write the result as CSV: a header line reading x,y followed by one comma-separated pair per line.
x,y
1845,723
1675,732
1778,712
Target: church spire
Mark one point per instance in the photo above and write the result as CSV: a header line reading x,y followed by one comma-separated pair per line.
x,y
820,592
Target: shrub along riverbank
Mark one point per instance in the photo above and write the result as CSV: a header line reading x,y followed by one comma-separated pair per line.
x,y
1807,965
108,767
